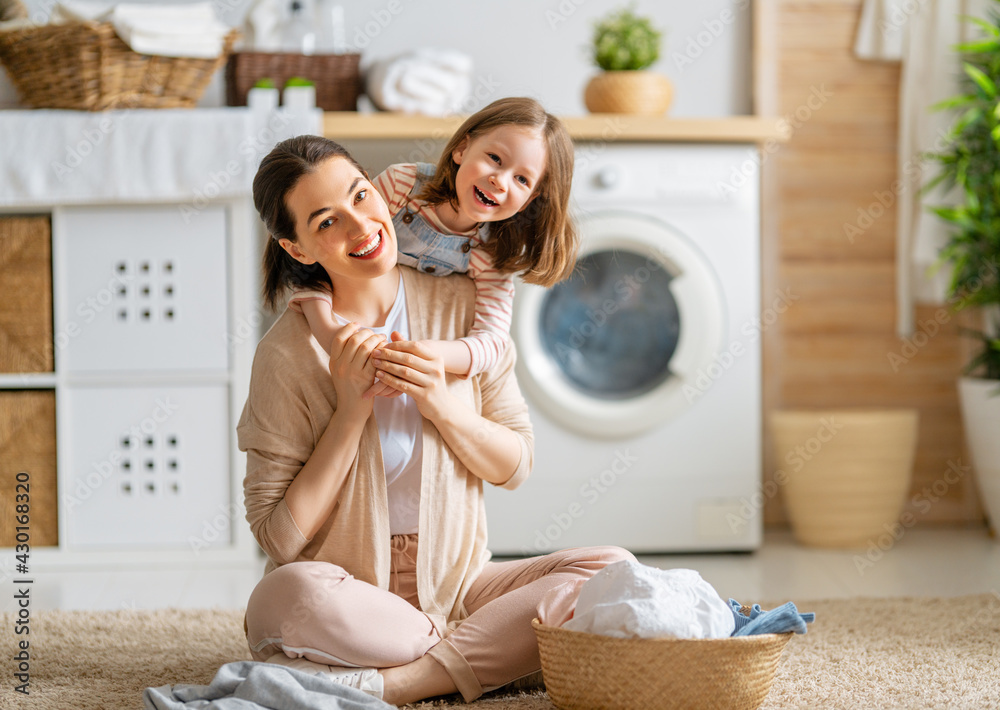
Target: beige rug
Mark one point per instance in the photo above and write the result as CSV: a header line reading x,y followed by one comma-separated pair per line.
x,y
860,653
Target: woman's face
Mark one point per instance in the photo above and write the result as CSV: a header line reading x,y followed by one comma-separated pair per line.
x,y
341,222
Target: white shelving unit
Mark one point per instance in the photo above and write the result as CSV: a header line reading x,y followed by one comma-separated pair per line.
x,y
153,321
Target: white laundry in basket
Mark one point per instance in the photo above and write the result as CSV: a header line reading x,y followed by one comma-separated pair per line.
x,y
628,599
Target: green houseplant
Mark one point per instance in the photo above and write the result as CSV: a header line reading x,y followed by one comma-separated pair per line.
x,y
624,46
970,162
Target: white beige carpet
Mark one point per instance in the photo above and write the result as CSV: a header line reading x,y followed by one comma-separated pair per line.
x,y
860,653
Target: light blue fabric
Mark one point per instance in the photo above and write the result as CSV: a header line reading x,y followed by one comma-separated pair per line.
x,y
423,247
249,685
779,620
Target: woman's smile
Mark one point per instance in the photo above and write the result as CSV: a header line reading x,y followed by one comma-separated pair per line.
x,y
370,248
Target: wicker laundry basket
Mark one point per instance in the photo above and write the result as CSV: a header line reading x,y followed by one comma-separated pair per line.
x,y
590,672
85,65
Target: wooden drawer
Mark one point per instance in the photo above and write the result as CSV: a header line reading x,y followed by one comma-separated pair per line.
x,y
28,443
26,305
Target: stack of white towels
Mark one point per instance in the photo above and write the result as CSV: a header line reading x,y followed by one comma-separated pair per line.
x,y
432,82
189,30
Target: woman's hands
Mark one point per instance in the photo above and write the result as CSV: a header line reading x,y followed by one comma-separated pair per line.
x,y
410,368
351,367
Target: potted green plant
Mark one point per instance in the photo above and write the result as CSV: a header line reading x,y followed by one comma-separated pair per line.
x,y
970,161
624,46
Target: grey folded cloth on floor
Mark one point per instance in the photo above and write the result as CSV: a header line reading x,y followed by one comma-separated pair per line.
x,y
249,685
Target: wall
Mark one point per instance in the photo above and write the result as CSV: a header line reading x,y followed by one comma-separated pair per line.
x,y
525,47
831,346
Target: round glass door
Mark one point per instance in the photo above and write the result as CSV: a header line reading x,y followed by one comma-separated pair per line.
x,y
607,352
613,326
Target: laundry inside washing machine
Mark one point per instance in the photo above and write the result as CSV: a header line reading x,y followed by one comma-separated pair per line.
x,y
613,326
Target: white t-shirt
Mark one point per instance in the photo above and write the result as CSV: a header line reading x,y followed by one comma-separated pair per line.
x,y
400,431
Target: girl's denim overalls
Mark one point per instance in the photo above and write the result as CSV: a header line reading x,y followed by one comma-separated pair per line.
x,y
423,247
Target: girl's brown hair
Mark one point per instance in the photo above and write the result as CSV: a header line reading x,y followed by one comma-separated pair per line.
x,y
279,172
540,241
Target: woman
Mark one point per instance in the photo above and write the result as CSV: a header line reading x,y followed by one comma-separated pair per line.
x,y
371,510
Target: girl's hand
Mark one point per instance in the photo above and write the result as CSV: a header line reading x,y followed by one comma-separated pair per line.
x,y
351,368
412,369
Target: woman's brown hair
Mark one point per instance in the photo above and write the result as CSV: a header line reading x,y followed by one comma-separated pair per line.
x,y
539,242
279,172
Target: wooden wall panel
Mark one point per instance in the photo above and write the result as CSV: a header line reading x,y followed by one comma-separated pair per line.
x,y
832,346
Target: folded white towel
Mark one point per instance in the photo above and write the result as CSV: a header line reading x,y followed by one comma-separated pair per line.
x,y
628,599
433,82
189,30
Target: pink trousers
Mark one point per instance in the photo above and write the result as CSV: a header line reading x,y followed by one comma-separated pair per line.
x,y
319,611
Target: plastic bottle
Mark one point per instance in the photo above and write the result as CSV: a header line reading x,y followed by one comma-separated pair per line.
x,y
298,34
332,37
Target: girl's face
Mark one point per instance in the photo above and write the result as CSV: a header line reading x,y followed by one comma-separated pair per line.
x,y
499,172
341,222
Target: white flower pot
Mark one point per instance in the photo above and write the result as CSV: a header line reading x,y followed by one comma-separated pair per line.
x,y
981,415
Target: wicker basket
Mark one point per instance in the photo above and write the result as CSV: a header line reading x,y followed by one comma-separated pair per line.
x,y
590,672
85,65
337,76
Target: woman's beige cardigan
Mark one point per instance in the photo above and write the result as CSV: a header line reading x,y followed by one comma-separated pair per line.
x,y
290,402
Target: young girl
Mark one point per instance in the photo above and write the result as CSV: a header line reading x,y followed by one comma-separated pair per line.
x,y
495,205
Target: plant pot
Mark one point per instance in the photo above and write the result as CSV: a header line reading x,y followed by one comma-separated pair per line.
x,y
846,472
636,92
980,400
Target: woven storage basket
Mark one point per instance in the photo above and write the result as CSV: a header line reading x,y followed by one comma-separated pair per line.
x,y
591,672
337,76
85,65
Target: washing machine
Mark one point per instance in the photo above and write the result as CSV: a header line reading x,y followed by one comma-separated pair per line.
x,y
642,371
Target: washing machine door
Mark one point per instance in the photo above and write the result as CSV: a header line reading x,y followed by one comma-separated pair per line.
x,y
613,350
